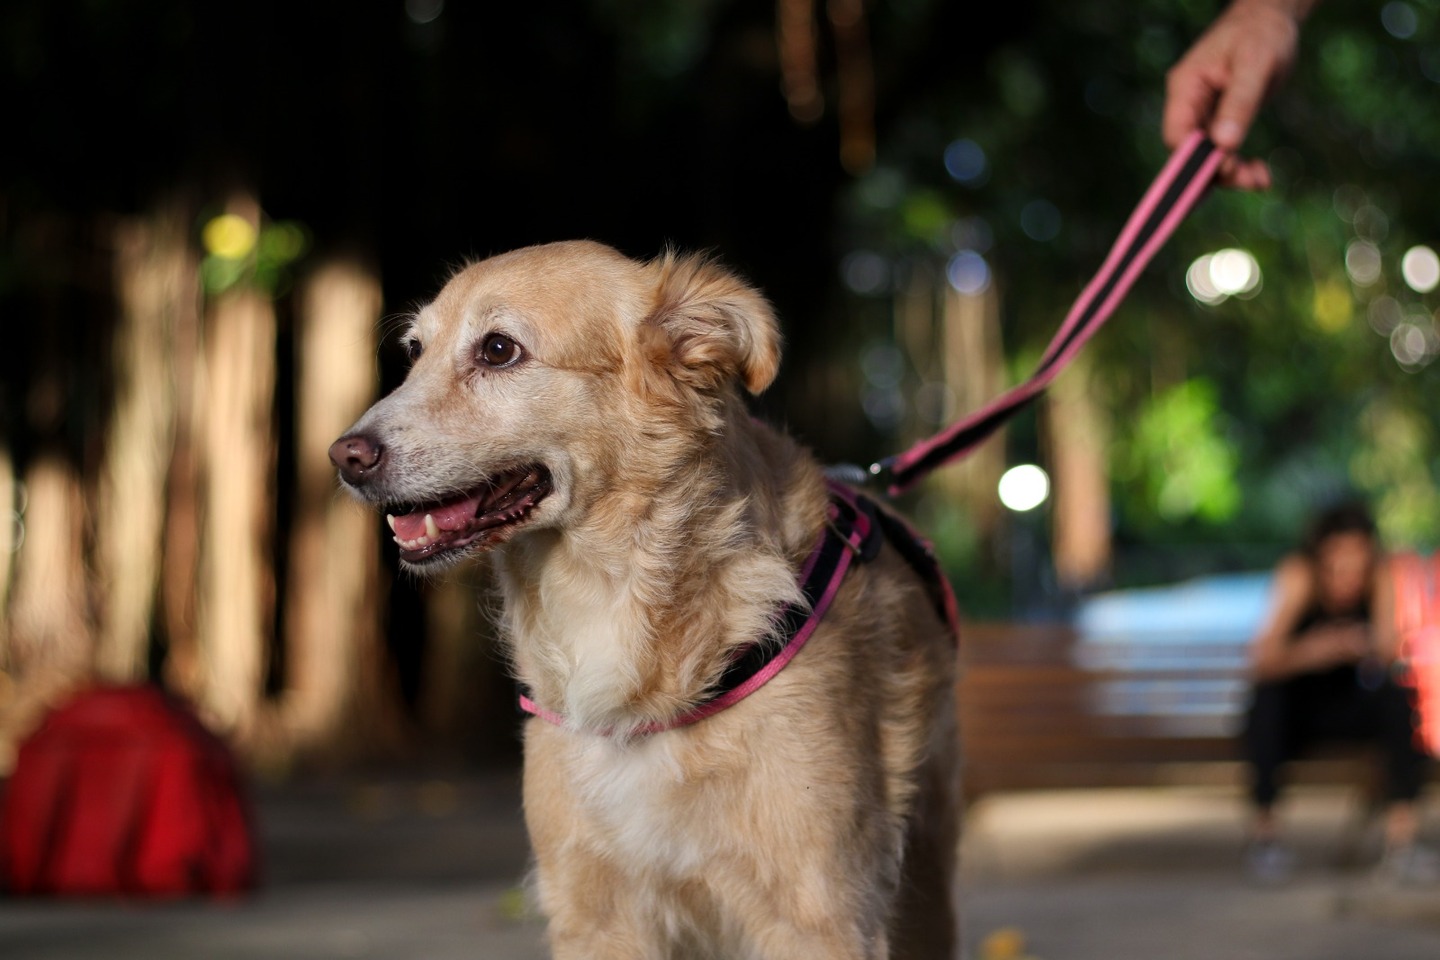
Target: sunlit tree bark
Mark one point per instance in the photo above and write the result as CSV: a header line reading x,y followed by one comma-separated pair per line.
x,y
1078,445
9,542
155,285
51,629
974,365
236,433
339,693
180,552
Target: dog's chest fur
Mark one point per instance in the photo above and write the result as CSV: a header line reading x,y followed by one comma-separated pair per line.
x,y
641,795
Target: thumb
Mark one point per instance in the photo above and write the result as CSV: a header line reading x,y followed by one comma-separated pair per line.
x,y
1239,103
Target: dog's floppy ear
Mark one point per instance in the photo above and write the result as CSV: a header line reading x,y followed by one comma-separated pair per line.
x,y
717,327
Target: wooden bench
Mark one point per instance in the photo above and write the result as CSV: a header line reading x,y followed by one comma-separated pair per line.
x,y
1042,709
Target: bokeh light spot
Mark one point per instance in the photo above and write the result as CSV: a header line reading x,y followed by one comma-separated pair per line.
x,y
1040,220
1430,64
283,242
968,273
865,272
229,236
1362,262
1024,487
1234,272
1371,223
1399,20
1197,281
1385,314
1421,269
966,163
1410,346
885,407
933,402
1347,201
883,364
424,11
1331,307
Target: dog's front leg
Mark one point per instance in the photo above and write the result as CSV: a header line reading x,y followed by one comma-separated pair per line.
x,y
596,914
848,937
789,944
595,910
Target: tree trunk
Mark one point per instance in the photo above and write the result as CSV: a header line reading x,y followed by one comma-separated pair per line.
x,y
339,691
236,583
9,543
155,280
974,364
51,635
1078,439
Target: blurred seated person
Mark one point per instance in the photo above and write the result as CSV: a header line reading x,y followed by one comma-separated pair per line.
x,y
1323,665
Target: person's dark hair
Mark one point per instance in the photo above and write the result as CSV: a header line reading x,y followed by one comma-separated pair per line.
x,y
1352,516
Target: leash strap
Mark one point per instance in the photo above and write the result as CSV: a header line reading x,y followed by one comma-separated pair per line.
x,y
1174,193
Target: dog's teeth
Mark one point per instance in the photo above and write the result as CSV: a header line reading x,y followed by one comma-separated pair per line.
x,y
431,530
390,519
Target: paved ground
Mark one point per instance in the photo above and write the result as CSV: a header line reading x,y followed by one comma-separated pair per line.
x,y
410,869
1126,875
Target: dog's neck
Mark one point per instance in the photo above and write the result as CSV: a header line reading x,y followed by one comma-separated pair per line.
x,y
624,620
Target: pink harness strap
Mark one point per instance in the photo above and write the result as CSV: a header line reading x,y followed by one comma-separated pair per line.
x,y
854,531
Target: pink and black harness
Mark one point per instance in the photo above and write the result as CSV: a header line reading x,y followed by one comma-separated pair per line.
x,y
857,528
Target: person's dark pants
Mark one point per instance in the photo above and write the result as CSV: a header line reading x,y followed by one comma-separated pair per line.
x,y
1287,715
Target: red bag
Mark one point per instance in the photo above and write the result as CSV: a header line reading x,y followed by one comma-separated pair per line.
x,y
1417,621
123,791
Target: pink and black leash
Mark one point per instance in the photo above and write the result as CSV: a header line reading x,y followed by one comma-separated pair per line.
x,y
856,526
1174,193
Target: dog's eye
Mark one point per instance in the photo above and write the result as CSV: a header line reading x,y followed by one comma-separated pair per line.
x,y
413,349
498,350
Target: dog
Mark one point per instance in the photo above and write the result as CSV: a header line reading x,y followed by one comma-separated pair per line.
x,y
579,416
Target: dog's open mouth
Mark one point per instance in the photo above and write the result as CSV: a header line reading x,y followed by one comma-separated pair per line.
x,y
483,518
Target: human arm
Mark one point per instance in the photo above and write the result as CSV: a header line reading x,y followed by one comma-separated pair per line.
x,y
1277,652
1386,637
1220,83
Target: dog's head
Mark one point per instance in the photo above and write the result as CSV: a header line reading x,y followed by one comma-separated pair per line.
x,y
537,376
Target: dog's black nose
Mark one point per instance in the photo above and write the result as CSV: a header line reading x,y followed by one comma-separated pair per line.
x,y
357,457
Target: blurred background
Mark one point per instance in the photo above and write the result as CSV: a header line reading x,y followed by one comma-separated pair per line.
x,y
213,216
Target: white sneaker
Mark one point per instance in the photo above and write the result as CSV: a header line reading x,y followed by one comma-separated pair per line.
x,y
1413,865
1268,862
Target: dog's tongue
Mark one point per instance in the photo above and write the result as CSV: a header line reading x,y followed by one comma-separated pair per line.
x,y
454,515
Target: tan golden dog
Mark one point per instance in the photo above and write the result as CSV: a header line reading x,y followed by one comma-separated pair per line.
x,y
581,411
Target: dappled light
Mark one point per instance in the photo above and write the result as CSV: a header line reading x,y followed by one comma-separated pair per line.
x,y
1023,487
1215,277
1421,269
1363,262
968,273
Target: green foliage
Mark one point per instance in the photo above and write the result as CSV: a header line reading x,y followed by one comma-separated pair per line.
x,y
1393,462
237,254
1178,453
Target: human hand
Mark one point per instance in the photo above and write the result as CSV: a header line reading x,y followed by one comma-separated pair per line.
x,y
1332,645
1221,81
